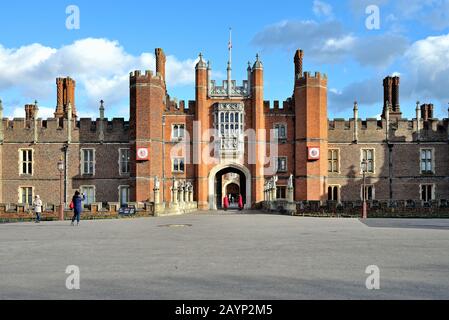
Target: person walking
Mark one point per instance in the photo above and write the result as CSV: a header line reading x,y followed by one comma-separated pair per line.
x,y
226,203
77,204
240,202
37,205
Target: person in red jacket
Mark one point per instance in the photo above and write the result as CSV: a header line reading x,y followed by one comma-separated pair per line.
x,y
240,202
225,203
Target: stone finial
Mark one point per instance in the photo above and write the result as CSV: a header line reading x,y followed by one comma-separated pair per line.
x,y
356,122
258,64
201,63
36,109
102,109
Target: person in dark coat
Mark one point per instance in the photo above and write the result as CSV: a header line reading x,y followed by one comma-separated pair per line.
x,y
77,207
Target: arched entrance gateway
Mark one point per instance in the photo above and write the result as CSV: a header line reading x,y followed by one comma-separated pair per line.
x,y
229,177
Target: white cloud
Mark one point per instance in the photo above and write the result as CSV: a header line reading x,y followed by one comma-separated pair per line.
x,y
379,50
100,66
365,92
43,112
322,9
319,40
339,44
427,65
411,8
429,13
424,77
335,91
329,42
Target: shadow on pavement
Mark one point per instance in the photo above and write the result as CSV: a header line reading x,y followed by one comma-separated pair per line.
x,y
407,223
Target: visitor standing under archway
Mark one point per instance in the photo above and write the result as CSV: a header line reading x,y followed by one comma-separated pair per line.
x,y
240,202
226,202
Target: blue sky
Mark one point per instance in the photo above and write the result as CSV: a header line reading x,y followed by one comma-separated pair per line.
x,y
117,37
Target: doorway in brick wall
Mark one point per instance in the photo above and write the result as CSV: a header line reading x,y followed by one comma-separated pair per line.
x,y
231,181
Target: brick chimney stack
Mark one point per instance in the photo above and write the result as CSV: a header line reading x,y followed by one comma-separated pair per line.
x,y
396,99
299,56
160,62
65,95
30,111
427,111
392,98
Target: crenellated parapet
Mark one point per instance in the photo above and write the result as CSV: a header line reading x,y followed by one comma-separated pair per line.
x,y
309,79
115,130
20,130
180,107
375,130
277,107
220,92
138,77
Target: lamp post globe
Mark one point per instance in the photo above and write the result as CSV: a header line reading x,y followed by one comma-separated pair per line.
x,y
60,166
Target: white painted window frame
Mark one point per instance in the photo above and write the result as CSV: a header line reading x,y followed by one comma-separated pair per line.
x,y
120,161
93,161
21,161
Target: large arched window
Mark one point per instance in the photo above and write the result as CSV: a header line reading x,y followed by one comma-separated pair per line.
x,y
230,127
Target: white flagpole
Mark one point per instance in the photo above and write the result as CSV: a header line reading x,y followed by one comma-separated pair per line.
x,y
230,63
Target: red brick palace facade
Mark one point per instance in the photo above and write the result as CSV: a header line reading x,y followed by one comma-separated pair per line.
x,y
229,140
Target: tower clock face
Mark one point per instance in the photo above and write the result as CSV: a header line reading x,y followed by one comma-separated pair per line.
x,y
314,153
142,154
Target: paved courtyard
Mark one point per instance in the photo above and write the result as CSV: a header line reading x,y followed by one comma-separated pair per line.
x,y
226,256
